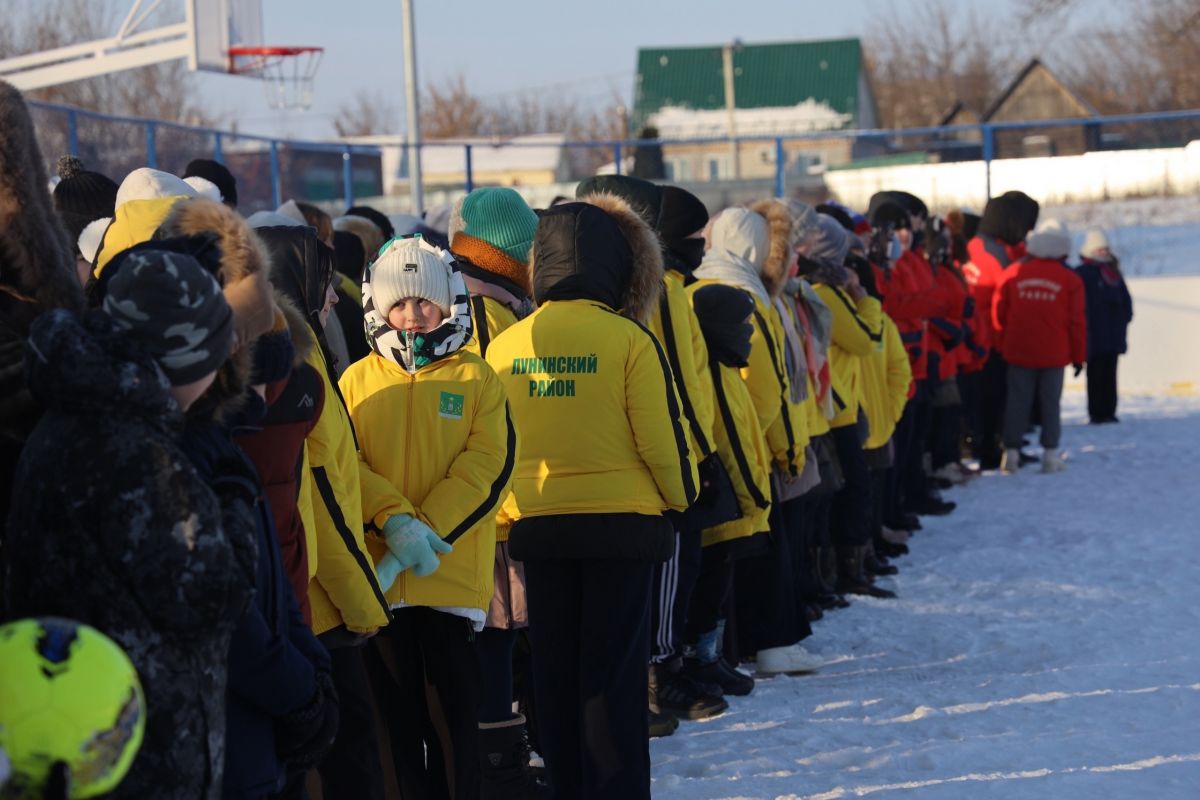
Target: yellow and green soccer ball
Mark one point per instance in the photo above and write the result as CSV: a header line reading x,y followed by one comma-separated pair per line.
x,y
67,693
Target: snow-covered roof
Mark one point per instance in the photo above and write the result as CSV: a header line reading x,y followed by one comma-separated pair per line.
x,y
675,122
537,152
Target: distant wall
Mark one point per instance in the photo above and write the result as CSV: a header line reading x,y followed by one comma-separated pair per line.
x,y
1101,175
1164,339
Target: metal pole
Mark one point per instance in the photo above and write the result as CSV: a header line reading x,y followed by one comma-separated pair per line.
x,y
151,149
347,179
470,170
412,111
730,108
276,187
73,133
218,149
989,152
617,158
780,168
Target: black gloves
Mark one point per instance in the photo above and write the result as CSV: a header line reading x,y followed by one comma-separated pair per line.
x,y
303,737
1078,369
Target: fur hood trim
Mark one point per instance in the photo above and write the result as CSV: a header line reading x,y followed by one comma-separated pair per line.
x,y
779,252
646,284
37,258
242,255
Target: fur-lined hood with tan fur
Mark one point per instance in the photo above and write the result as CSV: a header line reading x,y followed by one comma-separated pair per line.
x,y
779,253
37,259
242,255
591,255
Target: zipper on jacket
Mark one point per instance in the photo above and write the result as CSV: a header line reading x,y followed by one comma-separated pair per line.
x,y
412,383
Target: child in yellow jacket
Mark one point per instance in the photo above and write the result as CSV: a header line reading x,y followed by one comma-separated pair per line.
x,y
437,448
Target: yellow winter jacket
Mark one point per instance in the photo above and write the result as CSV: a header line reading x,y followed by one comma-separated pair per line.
x,y
857,330
133,223
343,586
438,444
498,317
598,413
688,356
743,451
886,378
767,379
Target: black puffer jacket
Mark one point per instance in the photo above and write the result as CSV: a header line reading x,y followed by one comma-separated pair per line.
x,y
112,526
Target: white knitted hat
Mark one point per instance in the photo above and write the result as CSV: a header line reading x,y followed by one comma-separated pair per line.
x,y
1050,239
1093,243
149,184
406,269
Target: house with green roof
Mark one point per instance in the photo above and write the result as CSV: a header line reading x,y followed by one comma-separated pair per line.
x,y
774,89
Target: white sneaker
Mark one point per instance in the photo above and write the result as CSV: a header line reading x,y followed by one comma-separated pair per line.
x,y
1011,463
952,473
1052,462
787,660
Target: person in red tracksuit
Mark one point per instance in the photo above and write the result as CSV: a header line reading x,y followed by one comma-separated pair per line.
x,y
1040,320
1000,241
912,298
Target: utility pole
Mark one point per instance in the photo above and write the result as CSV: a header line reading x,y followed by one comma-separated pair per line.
x,y
731,106
412,111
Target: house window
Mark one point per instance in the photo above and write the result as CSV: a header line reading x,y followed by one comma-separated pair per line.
x,y
1039,145
679,169
717,167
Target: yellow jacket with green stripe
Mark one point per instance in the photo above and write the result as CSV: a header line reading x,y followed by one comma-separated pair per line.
x,y
857,331
599,417
886,378
438,444
343,587
687,355
743,452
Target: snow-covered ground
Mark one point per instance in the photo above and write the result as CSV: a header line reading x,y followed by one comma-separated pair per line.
x,y
1046,644
1152,236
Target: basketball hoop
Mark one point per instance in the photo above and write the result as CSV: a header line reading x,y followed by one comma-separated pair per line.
x,y
287,72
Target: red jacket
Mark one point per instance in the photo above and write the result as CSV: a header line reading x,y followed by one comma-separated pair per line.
x,y
910,298
989,258
946,330
277,450
1039,315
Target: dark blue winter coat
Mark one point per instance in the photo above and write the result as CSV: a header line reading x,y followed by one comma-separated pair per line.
x,y
1109,307
273,657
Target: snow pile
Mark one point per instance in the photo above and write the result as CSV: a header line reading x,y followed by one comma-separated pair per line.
x,y
1044,645
1151,236
677,122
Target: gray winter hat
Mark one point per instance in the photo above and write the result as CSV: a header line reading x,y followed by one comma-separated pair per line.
x,y
175,309
831,244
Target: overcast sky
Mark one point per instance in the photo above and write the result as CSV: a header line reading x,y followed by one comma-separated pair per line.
x,y
584,49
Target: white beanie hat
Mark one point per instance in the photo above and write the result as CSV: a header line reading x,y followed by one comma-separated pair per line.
x,y
410,268
1093,243
150,184
1050,239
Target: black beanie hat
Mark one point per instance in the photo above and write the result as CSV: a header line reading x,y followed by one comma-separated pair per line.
x,y
349,256
843,219
175,309
217,174
723,312
890,214
644,197
82,197
379,218
1009,217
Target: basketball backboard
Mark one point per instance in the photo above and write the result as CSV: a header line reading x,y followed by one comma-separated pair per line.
x,y
218,25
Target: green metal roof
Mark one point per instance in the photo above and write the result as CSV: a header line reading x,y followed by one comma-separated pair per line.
x,y
765,76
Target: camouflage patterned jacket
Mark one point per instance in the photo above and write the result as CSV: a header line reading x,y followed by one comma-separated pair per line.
x,y
111,525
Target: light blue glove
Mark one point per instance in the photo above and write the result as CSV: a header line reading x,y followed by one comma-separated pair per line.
x,y
413,544
388,569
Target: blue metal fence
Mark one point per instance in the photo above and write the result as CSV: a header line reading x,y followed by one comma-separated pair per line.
x,y
271,169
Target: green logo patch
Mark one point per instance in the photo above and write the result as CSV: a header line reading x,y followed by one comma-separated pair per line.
x,y
450,406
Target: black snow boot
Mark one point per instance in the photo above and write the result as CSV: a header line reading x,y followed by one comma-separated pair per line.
x,y
875,564
503,762
732,682
851,577
686,698
661,722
